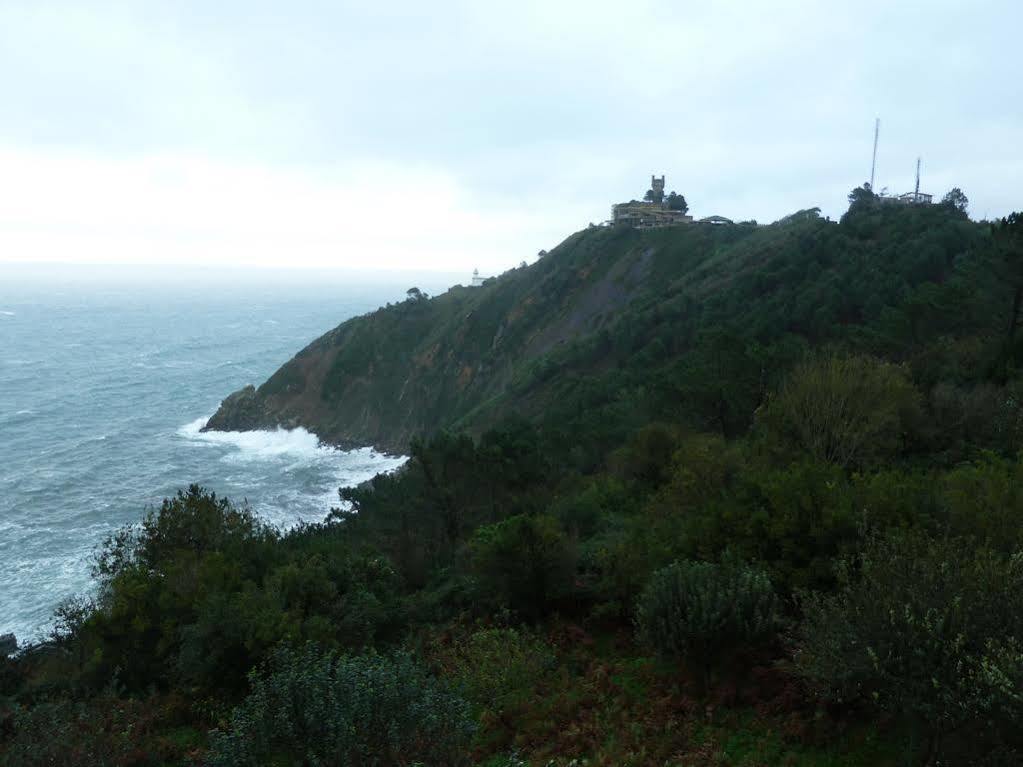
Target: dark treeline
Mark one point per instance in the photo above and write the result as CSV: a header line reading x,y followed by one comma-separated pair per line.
x,y
773,517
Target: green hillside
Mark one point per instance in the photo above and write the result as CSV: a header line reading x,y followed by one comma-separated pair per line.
x,y
623,318
706,495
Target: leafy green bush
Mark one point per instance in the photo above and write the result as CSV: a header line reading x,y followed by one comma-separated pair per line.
x,y
104,731
309,707
701,610
984,500
925,629
498,666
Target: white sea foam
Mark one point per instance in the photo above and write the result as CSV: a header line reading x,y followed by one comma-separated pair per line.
x,y
7,314
258,445
295,450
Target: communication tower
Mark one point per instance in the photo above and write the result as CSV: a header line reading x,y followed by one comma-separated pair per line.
x,y
873,162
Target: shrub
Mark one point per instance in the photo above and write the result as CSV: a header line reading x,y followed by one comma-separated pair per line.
x,y
499,667
984,500
307,707
851,411
701,610
925,629
103,731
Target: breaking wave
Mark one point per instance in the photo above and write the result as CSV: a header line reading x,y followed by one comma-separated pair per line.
x,y
318,470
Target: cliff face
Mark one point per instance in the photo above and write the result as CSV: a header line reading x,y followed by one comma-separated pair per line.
x,y
426,364
603,300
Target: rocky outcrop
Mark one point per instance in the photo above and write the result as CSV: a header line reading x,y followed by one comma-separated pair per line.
x,y
242,411
8,645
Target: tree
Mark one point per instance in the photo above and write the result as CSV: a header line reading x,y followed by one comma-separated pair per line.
x,y
415,294
850,411
720,384
956,199
646,457
862,196
525,562
677,202
1000,273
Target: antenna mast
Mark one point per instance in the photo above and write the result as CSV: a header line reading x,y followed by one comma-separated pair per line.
x,y
873,162
916,194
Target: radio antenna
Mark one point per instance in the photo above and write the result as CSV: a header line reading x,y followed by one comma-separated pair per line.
x,y
873,162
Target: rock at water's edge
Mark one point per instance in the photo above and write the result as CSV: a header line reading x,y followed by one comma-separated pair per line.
x,y
241,411
8,645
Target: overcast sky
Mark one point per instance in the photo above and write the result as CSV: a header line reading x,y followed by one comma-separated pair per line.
x,y
450,135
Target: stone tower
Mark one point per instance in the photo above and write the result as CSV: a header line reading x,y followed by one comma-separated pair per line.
x,y
657,187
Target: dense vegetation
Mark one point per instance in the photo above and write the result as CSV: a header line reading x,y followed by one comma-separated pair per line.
x,y
764,508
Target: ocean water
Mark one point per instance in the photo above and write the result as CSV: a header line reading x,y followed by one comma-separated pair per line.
x,y
104,384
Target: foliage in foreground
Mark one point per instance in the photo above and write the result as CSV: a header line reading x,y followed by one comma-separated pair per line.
x,y
702,610
103,731
310,707
927,629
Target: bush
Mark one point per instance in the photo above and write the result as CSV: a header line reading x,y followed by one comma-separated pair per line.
x,y
101,732
851,411
702,610
984,500
500,667
307,707
927,630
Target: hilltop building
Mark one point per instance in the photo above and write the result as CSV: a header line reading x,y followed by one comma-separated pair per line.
x,y
477,281
915,198
655,211
907,198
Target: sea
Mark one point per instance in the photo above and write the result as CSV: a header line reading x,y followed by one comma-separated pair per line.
x,y
107,375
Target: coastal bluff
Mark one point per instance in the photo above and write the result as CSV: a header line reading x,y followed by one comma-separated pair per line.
x,y
612,314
